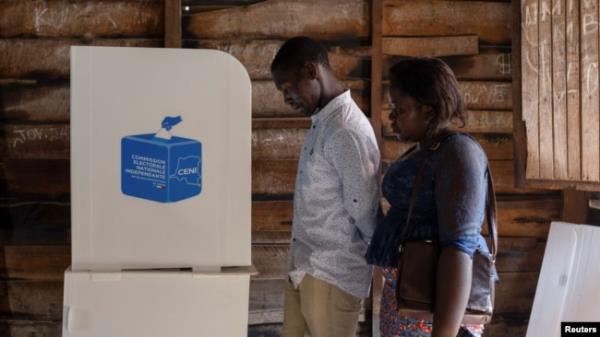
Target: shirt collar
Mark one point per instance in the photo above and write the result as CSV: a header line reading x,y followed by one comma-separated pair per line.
x,y
332,106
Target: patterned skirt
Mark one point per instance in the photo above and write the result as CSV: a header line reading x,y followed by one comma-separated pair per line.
x,y
393,325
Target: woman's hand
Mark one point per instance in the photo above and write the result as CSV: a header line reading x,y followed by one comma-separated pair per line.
x,y
453,287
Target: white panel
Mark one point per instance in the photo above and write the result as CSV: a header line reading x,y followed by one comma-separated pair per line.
x,y
567,288
583,301
155,304
120,92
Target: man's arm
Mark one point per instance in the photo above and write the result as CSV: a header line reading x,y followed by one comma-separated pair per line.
x,y
357,162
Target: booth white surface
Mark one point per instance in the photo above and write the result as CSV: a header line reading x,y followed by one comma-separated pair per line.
x,y
156,304
117,92
568,288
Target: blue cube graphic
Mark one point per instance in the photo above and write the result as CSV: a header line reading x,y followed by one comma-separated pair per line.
x,y
159,169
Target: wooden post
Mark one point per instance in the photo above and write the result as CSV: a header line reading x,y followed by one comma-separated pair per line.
x,y
575,206
376,122
173,23
519,136
376,67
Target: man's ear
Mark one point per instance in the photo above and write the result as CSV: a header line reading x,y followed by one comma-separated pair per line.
x,y
310,70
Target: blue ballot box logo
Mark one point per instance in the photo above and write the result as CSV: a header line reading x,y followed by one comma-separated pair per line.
x,y
161,167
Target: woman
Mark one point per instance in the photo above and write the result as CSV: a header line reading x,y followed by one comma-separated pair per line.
x,y
450,201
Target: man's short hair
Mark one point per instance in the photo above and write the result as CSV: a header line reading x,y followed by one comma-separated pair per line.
x,y
295,52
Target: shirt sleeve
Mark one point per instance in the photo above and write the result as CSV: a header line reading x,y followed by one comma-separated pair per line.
x,y
460,193
356,159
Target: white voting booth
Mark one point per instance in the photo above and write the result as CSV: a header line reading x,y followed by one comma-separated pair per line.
x,y
161,192
568,288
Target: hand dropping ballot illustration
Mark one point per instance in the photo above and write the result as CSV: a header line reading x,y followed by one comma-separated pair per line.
x,y
161,167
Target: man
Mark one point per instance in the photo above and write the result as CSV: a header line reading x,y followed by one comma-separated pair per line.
x,y
336,196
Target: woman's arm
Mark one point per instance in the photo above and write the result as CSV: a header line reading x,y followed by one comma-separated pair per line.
x,y
452,291
460,191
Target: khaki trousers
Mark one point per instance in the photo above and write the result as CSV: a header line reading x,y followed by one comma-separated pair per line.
x,y
319,309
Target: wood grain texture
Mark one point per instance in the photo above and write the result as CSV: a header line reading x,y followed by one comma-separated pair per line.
x,y
35,141
486,95
35,176
376,68
573,91
488,20
559,89
34,219
545,96
49,58
431,46
590,103
172,22
89,19
257,55
284,19
529,81
35,103
488,65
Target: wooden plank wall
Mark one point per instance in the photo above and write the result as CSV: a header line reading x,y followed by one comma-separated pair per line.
x,y
473,37
34,143
34,76
560,98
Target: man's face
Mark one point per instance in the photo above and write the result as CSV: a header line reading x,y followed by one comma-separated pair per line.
x,y
300,88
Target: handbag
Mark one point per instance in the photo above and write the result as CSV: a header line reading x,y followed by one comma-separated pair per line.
x,y
417,268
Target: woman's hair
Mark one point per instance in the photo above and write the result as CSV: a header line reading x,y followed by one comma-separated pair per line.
x,y
429,81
